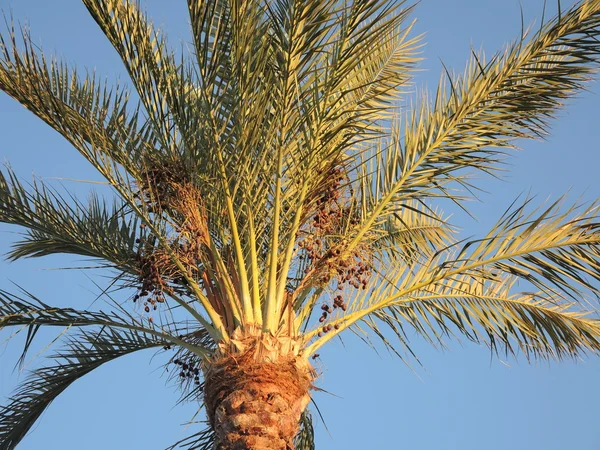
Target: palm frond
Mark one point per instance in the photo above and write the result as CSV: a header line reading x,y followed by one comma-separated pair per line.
x,y
376,59
538,325
350,82
558,252
28,312
476,116
150,64
55,225
552,248
305,439
94,117
411,231
81,354
541,327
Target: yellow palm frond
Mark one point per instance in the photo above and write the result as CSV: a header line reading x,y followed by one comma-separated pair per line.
x,y
558,252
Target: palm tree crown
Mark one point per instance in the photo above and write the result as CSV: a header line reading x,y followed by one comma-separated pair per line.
x,y
270,194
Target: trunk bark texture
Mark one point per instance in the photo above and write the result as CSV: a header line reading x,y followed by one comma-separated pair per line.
x,y
255,397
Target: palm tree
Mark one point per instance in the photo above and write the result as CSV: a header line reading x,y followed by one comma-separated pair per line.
x,y
270,195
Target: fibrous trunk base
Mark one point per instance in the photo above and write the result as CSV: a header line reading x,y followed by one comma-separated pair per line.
x,y
256,404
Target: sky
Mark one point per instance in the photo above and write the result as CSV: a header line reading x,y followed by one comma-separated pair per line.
x,y
460,398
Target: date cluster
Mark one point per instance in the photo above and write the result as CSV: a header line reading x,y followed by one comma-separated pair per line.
x,y
188,371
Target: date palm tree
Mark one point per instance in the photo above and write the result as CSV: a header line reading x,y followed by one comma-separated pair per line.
x,y
270,195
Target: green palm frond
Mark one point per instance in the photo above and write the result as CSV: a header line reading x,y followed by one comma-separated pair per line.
x,y
93,116
28,312
537,325
549,247
212,34
101,337
55,225
305,439
349,81
81,354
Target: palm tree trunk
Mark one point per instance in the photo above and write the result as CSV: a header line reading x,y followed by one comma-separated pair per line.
x,y
254,399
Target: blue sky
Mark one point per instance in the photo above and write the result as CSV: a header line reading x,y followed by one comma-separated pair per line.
x,y
459,399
